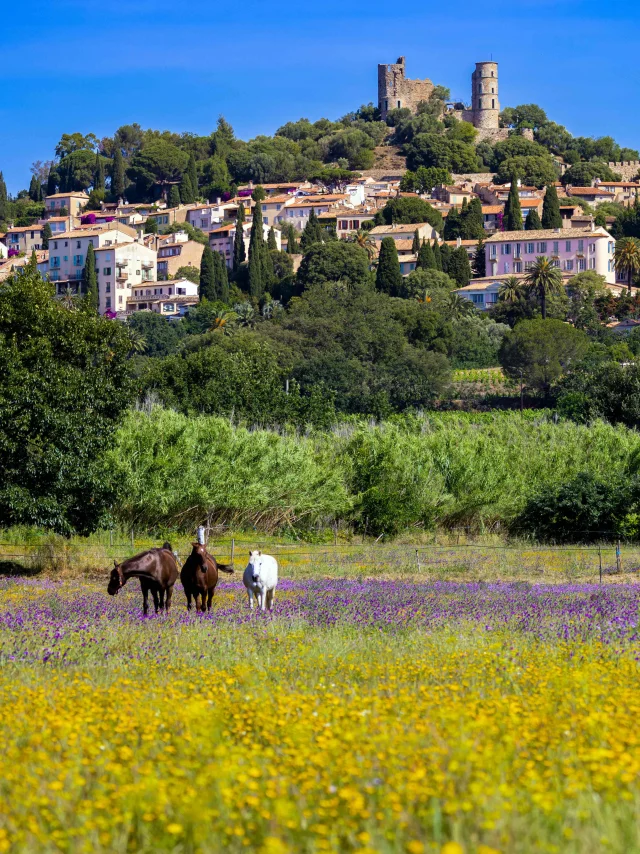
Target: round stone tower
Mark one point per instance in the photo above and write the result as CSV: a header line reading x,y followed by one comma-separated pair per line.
x,y
485,106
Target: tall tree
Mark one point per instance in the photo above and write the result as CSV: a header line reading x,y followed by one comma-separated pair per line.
x,y
627,259
33,189
187,196
551,217
271,240
98,174
90,282
192,172
312,232
459,267
222,279
3,199
388,276
445,255
415,246
46,235
512,209
426,261
258,194
480,261
174,197
207,275
257,253
437,255
117,176
473,222
52,181
239,252
532,222
293,247
542,281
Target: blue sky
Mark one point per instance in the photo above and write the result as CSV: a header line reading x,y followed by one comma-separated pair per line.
x,y
84,66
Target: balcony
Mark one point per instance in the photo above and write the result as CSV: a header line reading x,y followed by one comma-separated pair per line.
x,y
147,265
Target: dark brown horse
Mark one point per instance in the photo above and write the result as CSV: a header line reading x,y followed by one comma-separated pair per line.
x,y
158,572
199,576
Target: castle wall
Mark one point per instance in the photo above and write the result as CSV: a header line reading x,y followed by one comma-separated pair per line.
x,y
396,90
628,169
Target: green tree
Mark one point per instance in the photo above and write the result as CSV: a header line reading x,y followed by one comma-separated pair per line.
x,y
4,207
532,171
293,247
221,278
479,266
157,164
542,281
52,182
174,197
207,275
512,209
405,210
459,268
338,261
437,255
46,235
117,176
510,290
415,246
426,261
187,196
388,276
312,232
192,274
64,387
540,351
98,174
151,226
473,221
551,217
271,241
258,194
192,172
532,221
239,252
627,259
257,252
90,282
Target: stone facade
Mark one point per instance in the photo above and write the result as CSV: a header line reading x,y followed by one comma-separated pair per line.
x,y
485,106
627,169
395,90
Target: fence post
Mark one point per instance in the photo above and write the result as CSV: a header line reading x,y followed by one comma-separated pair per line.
x,y
111,537
418,558
600,557
132,538
618,559
233,549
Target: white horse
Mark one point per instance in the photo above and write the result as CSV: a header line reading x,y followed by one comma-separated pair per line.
x,y
260,578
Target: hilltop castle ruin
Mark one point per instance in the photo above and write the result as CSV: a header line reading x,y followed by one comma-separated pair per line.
x,y
395,91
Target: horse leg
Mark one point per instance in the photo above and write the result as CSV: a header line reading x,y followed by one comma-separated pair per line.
x,y
154,593
161,597
145,597
210,598
270,599
250,595
200,604
167,601
187,593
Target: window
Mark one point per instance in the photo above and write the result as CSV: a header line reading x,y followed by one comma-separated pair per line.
x,y
542,248
592,248
581,246
610,247
78,260
107,288
55,244
556,247
517,267
516,250
120,298
343,225
78,244
477,299
582,264
492,250
480,104
55,262
609,265
528,266
567,246
592,263
108,302
506,266
106,271
493,103
506,249
568,265
555,263
530,249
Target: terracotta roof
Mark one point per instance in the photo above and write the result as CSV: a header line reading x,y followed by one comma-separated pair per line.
x,y
545,234
462,242
222,230
276,200
20,228
619,184
588,191
530,203
79,195
400,228
492,209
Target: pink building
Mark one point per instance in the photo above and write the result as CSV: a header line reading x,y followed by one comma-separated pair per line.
x,y
572,250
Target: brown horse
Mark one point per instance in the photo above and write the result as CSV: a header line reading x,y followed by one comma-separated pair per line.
x,y
199,576
158,572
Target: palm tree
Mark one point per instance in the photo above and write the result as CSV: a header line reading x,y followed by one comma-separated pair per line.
x,y
245,313
510,290
137,341
69,299
223,322
543,280
627,258
364,241
459,306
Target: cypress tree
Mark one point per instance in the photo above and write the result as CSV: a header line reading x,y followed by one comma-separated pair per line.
x,y
551,217
426,261
312,232
192,172
90,281
459,267
174,197
257,278
271,241
415,246
3,199
239,252
46,235
223,280
532,222
480,261
473,225
452,225
33,189
293,247
512,209
388,276
52,180
186,191
207,288
445,255
117,176
98,174
437,255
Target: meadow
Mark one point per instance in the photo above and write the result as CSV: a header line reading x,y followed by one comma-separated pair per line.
x,y
369,714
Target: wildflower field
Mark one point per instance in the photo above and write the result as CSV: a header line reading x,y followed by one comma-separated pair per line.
x,y
364,715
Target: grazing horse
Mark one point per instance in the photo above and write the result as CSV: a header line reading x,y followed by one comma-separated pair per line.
x,y
199,576
260,578
158,572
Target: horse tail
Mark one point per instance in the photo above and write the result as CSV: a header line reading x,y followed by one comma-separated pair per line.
x,y
167,546
226,567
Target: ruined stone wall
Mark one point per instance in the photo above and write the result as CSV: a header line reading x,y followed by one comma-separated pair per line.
x,y
396,90
629,169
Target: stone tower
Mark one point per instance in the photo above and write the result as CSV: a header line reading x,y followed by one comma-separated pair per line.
x,y
396,91
485,106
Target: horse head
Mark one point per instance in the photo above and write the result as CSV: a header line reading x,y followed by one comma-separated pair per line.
x,y
199,554
255,563
116,579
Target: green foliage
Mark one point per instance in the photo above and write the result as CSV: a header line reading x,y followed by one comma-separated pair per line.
x,y
312,232
118,180
424,179
260,268
162,335
426,260
188,272
479,266
239,251
583,174
602,390
476,341
46,235
156,164
90,282
64,387
459,268
388,276
173,200
3,199
524,116
532,171
551,217
532,221
207,288
185,190
541,351
409,210
190,230
338,261
430,149
543,281
258,194
512,209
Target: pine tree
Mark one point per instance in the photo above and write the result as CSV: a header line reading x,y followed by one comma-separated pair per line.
x,y
52,182
312,232
271,241
90,282
437,255
207,275
46,235
445,255
3,199
426,261
473,224
223,279
480,261
551,217
98,174
33,189
415,246
293,247
459,267
257,251
174,197
512,209
452,225
117,176
388,276
239,252
192,172
532,222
